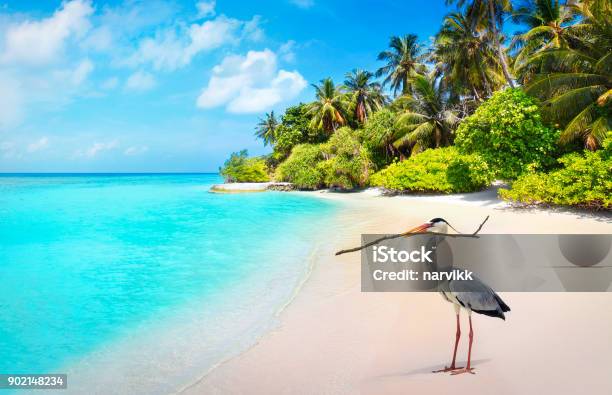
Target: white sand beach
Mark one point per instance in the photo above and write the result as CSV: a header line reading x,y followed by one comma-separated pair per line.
x,y
334,339
245,187
239,187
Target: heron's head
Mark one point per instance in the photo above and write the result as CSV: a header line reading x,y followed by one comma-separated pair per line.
x,y
435,225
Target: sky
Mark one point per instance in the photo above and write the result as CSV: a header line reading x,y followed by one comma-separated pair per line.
x,y
174,86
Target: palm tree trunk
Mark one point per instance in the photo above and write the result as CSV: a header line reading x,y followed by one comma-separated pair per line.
x,y
361,112
405,86
500,52
485,83
476,95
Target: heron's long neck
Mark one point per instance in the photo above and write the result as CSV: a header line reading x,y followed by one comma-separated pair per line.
x,y
432,244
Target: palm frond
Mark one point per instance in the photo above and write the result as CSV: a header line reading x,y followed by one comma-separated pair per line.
x,y
409,118
566,105
549,84
579,126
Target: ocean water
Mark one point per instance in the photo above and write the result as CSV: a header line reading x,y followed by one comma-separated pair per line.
x,y
149,279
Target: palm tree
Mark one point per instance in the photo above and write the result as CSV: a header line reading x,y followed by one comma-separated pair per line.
x,y
403,61
575,83
594,28
550,26
577,94
428,120
328,110
490,13
266,128
365,96
465,58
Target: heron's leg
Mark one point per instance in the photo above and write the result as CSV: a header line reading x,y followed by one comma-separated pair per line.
x,y
468,368
470,348
457,337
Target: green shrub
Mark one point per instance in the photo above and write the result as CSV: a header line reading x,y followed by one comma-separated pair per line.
x,y
584,180
342,162
294,129
302,167
348,163
378,137
436,170
240,168
508,133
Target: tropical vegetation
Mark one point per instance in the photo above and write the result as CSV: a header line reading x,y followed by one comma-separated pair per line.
x,y
342,162
508,132
241,168
266,128
531,107
347,162
364,95
427,119
435,170
583,180
328,110
404,59
302,167
464,59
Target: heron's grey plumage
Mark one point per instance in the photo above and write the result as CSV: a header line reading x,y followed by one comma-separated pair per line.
x,y
478,297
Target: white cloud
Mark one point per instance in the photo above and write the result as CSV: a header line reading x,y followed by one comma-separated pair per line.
x,y
41,42
206,8
57,85
250,83
135,150
303,3
81,72
140,81
110,83
11,101
173,48
252,30
286,53
96,148
285,86
38,145
210,35
117,26
99,39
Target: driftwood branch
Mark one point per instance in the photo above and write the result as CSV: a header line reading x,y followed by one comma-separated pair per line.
x,y
480,226
410,234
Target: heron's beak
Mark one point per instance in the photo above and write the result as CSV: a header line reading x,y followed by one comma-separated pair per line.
x,y
420,228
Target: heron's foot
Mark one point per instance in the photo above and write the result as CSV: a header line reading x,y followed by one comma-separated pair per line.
x,y
464,370
448,369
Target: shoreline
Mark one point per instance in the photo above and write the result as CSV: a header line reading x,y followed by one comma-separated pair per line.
x,y
276,316
334,281
262,318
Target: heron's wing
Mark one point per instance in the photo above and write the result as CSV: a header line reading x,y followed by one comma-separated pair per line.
x,y
478,296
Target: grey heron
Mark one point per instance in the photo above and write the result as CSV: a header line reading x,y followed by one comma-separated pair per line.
x,y
471,295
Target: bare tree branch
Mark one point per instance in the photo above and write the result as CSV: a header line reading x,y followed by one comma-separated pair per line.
x,y
410,234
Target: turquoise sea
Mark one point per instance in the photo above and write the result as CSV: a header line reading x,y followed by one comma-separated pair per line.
x,y
149,278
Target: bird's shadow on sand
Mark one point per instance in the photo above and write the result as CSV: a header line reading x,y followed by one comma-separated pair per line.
x,y
430,369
